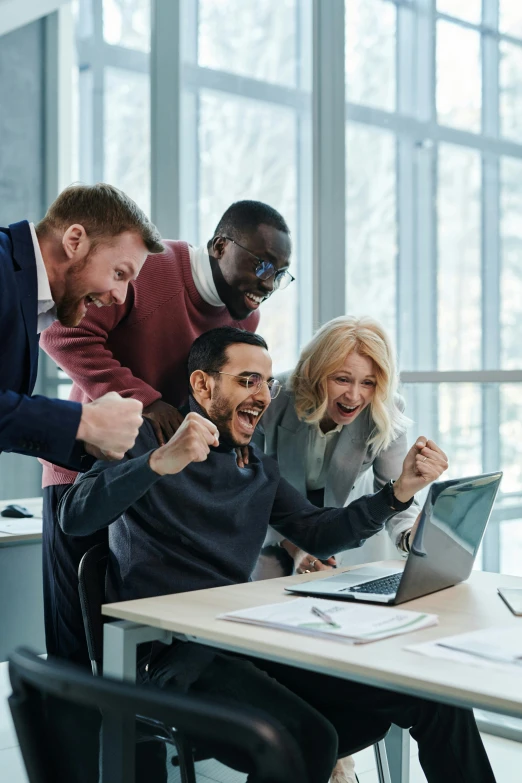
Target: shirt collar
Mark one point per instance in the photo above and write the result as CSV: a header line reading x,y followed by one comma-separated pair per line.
x,y
322,434
202,275
44,289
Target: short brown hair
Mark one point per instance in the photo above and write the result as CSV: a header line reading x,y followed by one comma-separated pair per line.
x,y
104,211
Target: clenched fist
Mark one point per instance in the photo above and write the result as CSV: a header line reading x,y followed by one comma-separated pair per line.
x,y
110,425
424,463
190,443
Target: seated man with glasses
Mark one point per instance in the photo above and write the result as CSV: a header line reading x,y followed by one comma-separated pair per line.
x,y
139,349
185,516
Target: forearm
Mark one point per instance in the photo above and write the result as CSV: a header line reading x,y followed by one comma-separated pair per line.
x,y
323,532
40,427
104,494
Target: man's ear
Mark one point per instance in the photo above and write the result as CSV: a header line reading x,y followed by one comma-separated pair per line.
x,y
201,385
217,247
75,243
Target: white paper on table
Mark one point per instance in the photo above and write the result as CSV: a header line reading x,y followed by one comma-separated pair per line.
x,y
491,648
354,623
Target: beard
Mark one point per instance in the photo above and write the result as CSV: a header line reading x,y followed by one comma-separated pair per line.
x,y
74,294
221,414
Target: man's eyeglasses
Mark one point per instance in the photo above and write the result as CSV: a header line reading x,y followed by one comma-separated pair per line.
x,y
265,269
255,382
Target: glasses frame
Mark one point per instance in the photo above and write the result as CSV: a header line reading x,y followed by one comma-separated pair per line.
x,y
265,269
272,384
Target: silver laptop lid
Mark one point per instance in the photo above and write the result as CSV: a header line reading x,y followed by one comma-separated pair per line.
x,y
452,524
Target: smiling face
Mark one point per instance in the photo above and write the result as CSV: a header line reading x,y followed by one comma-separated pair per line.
x,y
233,268
96,277
234,408
350,390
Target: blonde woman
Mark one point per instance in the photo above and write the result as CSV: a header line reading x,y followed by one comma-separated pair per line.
x,y
338,431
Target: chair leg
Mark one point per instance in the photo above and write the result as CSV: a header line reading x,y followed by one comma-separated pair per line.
x,y
187,769
381,759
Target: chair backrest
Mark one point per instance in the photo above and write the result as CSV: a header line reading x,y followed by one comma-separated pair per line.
x,y
91,585
272,754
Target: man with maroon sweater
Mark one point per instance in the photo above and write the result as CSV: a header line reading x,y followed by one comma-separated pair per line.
x,y
139,349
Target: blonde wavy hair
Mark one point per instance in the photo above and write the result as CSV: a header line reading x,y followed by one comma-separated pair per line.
x,y
326,353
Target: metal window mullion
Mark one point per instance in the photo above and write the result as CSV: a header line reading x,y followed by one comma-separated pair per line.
x,y
405,299
189,130
97,68
329,171
304,157
165,70
490,268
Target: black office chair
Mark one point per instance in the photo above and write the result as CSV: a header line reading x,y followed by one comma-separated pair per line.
x,y
91,579
271,754
91,586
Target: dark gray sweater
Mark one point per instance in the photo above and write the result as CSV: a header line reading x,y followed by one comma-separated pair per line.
x,y
203,527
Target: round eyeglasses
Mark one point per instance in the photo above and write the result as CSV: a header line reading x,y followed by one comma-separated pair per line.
x,y
255,383
265,269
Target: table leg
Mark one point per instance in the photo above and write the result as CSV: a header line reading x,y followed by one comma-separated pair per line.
x,y
398,750
120,641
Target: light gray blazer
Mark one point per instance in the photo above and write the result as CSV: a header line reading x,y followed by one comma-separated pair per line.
x,y
285,437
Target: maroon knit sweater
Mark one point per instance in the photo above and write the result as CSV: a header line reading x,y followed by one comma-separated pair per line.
x,y
140,348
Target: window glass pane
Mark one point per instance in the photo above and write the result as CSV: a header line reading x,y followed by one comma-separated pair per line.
x,y
460,427
511,262
459,269
511,546
371,224
458,76
370,27
127,23
463,9
451,414
510,85
248,150
127,133
251,39
511,436
510,17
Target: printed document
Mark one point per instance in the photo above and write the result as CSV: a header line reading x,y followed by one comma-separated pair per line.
x,y
347,622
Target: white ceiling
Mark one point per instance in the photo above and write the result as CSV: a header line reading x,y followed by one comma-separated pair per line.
x,y
17,13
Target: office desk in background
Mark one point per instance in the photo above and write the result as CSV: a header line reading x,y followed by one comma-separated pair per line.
x,y
21,607
465,607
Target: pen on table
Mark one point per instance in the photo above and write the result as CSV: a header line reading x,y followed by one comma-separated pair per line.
x,y
324,617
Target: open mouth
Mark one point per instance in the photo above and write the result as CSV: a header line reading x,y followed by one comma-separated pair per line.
x,y
248,418
91,298
347,410
253,300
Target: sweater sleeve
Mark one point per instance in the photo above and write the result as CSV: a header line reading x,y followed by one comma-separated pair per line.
x,y
82,353
325,531
104,493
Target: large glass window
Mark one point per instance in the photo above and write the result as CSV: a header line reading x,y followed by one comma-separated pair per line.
x,y
246,134
371,223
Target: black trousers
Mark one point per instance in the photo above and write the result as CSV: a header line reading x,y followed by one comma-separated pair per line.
x,y
64,632
328,716
65,639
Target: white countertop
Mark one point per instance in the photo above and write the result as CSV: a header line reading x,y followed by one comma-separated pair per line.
x,y
14,530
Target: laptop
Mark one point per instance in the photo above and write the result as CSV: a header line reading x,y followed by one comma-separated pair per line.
x,y
451,527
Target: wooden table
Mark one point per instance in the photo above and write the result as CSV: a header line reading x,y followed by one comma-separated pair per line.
x,y
466,607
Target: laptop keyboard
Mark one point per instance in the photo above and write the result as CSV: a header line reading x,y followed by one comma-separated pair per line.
x,y
384,586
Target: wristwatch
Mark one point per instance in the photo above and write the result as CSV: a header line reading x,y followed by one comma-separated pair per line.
x,y
392,501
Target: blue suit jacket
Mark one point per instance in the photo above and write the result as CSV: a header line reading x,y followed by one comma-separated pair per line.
x,y
28,425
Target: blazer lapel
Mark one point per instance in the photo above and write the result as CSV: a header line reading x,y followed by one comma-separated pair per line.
x,y
292,438
25,276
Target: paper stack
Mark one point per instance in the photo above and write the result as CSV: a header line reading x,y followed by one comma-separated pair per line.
x,y
490,648
352,623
